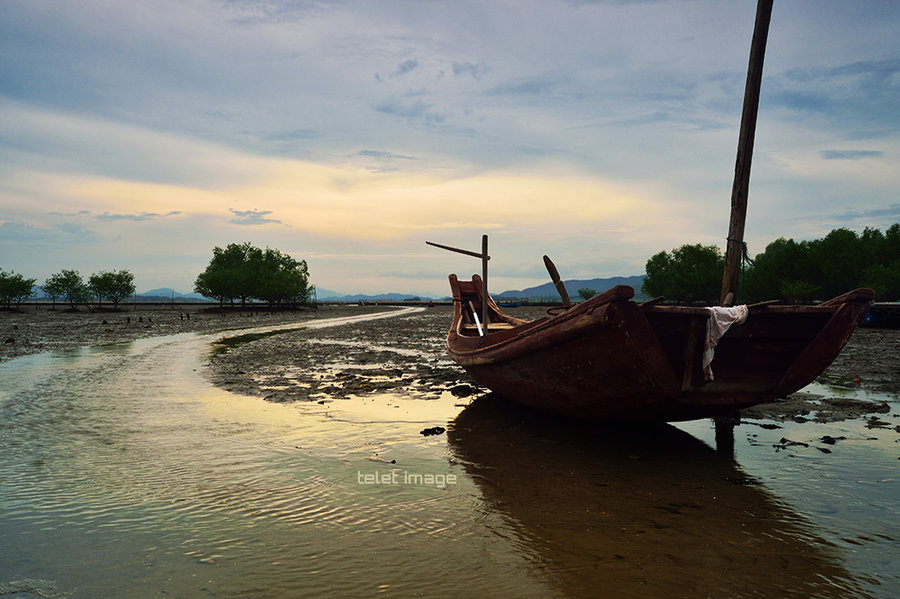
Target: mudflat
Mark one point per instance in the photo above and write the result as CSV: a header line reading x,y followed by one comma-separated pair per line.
x,y
403,354
34,329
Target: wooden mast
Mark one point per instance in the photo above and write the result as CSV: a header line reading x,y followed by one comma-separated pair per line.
x,y
485,315
734,252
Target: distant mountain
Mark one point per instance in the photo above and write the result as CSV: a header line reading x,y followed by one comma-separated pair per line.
x,y
162,294
167,293
323,293
381,297
548,290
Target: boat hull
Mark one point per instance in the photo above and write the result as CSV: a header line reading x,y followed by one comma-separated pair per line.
x,y
611,358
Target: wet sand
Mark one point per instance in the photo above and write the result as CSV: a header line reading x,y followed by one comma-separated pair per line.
x,y
403,355
869,362
32,329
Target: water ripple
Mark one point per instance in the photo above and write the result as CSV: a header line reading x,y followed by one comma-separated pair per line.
x,y
124,474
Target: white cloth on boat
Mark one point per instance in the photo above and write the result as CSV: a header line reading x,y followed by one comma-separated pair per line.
x,y
719,321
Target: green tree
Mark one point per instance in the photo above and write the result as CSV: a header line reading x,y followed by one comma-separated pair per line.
x,y
68,284
689,274
214,283
784,271
795,291
54,289
242,271
837,262
586,293
280,278
883,280
873,247
14,288
891,244
812,270
114,286
229,275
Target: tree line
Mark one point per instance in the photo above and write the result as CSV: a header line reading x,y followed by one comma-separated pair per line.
x,y
238,272
794,271
69,285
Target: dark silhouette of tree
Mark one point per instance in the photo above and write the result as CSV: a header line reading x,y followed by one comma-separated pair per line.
x,y
884,280
229,275
837,262
53,289
820,269
785,270
280,278
114,286
242,271
14,288
689,274
68,284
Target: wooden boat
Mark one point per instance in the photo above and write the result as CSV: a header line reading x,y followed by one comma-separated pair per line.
x,y
612,358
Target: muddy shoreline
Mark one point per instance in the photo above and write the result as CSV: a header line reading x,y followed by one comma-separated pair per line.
x,y
403,355
35,329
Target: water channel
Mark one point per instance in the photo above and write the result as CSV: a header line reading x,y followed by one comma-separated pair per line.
x,y
124,473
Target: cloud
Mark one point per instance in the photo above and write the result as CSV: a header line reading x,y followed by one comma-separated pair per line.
x,y
257,12
141,216
405,67
530,86
79,213
855,96
382,155
891,212
468,68
850,154
878,218
43,140
252,217
410,109
292,134
19,233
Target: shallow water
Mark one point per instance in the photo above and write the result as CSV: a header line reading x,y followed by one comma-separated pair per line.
x,y
125,474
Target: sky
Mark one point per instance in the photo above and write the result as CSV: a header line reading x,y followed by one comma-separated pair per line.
x,y
141,135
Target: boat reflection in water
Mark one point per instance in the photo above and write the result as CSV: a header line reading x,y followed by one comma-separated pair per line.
x,y
640,512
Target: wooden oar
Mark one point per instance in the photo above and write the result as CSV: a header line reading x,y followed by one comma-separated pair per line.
x,y
554,276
